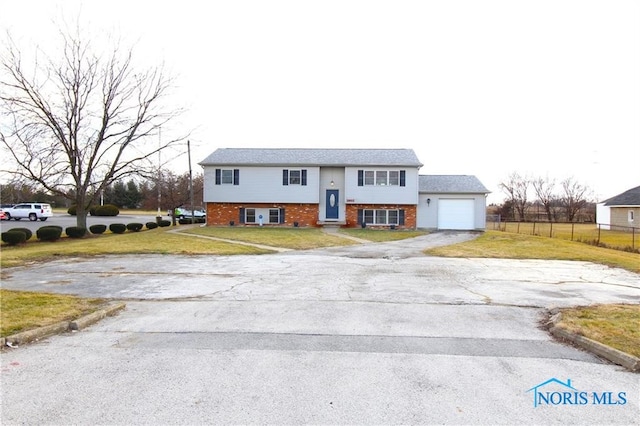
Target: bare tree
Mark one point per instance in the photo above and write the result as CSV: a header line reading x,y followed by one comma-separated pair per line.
x,y
517,188
544,190
574,198
78,121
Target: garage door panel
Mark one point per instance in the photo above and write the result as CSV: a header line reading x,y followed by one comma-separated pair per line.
x,y
456,214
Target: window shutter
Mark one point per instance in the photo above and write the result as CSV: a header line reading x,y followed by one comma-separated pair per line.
x,y
285,177
360,216
403,178
303,178
282,215
360,177
236,176
401,217
241,215
218,172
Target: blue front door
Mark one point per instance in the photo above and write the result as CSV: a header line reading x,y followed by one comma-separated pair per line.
x,y
332,204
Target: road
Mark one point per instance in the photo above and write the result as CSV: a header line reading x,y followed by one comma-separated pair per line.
x,y
371,334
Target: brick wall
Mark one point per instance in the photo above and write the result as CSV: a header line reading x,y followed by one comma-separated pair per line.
x,y
304,214
224,213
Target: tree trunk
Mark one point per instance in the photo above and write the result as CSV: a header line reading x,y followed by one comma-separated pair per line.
x,y
81,211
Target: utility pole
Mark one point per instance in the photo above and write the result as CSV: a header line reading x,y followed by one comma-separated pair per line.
x,y
159,214
193,213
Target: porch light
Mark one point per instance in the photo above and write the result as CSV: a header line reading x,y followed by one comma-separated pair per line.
x,y
428,201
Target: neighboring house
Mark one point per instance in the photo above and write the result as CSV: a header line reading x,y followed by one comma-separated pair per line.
x,y
451,202
317,187
621,210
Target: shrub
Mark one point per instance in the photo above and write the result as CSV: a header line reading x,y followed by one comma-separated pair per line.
x,y
151,225
135,227
26,231
14,237
164,223
49,233
117,228
97,229
106,210
72,210
75,231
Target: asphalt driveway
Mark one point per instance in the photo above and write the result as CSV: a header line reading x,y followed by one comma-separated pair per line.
x,y
370,334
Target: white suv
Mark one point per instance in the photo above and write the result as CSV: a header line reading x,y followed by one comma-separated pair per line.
x,y
31,211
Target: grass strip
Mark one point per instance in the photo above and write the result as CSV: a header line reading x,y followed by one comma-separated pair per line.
x,y
23,310
617,326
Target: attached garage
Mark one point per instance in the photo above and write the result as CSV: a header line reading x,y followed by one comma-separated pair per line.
x,y
456,214
451,202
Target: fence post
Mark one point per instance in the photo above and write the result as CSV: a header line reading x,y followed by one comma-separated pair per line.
x,y
598,242
534,228
550,229
633,238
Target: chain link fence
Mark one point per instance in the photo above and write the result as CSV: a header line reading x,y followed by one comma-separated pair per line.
x,y
625,238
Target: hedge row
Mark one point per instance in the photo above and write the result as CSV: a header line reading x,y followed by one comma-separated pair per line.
x,y
16,236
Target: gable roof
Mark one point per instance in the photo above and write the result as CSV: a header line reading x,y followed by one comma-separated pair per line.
x,y
627,198
451,184
311,157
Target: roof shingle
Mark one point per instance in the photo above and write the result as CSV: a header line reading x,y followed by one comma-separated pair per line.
x,y
311,157
451,184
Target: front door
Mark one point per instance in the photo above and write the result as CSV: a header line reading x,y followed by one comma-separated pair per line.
x,y
332,204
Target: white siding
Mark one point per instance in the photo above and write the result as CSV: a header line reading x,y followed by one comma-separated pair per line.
x,y
374,194
261,185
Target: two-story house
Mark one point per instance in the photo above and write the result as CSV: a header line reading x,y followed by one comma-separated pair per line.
x,y
311,187
316,187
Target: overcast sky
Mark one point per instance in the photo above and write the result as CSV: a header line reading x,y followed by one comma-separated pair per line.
x,y
544,88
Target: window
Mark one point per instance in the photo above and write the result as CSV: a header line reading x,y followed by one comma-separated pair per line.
x,y
369,177
394,177
274,215
381,177
381,216
294,177
227,176
250,216
631,215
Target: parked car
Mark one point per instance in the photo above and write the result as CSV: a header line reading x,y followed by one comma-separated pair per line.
x,y
182,213
31,211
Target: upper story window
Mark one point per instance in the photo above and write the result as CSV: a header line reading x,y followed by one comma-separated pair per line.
x,y
381,177
227,176
294,177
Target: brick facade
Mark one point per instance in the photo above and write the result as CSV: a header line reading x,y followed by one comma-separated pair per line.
x,y
224,213
410,214
305,214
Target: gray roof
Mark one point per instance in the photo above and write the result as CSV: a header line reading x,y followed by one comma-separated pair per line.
x,y
627,198
457,184
311,157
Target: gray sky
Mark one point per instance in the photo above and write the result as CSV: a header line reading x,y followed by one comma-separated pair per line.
x,y
545,88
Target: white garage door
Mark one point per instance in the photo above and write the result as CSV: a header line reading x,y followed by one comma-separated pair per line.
x,y
455,214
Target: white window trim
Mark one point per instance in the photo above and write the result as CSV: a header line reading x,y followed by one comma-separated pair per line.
x,y
222,176
377,176
374,213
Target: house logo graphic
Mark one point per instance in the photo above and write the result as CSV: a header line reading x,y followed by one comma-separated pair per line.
x,y
556,392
